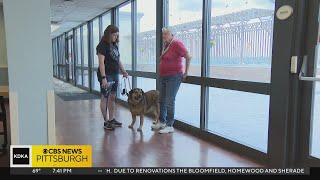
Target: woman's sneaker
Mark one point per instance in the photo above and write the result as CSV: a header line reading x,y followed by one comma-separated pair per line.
x,y
166,130
116,123
108,125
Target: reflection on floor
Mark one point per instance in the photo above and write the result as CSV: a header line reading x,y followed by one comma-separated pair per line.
x,y
63,87
80,122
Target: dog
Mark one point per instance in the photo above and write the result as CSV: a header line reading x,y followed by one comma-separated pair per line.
x,y
140,103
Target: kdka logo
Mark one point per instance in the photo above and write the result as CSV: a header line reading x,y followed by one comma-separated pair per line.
x,y
20,156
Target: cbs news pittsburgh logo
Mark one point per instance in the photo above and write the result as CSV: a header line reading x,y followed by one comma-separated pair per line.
x,y
50,156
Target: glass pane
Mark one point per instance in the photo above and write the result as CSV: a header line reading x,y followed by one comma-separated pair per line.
x,y
70,33
86,78
95,41
186,19
79,77
53,51
60,72
70,59
188,104
146,41
315,123
315,119
85,46
55,72
239,116
63,73
78,47
241,40
122,85
95,82
54,56
106,21
146,84
125,36
62,50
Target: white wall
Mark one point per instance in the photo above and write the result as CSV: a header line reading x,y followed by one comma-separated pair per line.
x,y
28,41
3,51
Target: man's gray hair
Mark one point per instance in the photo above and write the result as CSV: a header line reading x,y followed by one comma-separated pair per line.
x,y
168,29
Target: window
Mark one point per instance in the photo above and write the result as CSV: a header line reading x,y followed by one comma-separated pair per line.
x,y
186,20
106,21
85,45
146,84
146,35
125,36
188,104
239,116
95,41
241,40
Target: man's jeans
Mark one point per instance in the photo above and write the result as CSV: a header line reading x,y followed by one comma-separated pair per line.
x,y
169,86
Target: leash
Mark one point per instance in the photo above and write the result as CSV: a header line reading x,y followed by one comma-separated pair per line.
x,y
124,90
106,95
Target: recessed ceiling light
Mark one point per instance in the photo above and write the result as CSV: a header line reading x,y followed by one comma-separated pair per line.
x,y
68,2
54,27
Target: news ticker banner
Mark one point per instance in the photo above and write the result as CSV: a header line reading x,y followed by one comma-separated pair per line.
x,y
50,156
77,160
159,171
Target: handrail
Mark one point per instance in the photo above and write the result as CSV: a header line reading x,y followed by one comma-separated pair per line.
x,y
303,71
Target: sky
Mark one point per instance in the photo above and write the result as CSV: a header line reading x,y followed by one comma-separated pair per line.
x,y
182,11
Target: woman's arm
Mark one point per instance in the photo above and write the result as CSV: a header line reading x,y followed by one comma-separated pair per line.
x,y
188,57
124,72
102,71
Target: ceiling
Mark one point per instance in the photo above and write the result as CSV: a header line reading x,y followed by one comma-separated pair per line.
x,y
67,14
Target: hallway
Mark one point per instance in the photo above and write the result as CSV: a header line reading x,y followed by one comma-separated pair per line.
x,y
80,122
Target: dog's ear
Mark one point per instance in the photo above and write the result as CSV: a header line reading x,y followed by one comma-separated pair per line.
x,y
142,92
130,93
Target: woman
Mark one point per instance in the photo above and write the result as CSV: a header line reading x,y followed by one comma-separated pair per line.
x,y
171,75
109,65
